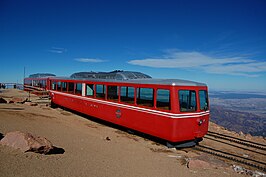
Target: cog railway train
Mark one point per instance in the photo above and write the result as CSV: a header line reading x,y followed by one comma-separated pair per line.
x,y
173,110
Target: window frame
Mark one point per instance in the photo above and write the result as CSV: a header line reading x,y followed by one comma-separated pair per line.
x,y
68,87
169,100
93,89
194,109
57,84
100,95
117,93
64,86
127,98
206,101
53,83
76,89
140,101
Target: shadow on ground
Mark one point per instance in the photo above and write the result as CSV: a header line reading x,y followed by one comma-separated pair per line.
x,y
13,108
1,136
156,140
56,150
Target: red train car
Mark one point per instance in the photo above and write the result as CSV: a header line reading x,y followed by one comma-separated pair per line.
x,y
37,83
173,110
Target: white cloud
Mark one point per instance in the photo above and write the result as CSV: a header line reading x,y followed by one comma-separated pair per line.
x,y
196,60
57,50
89,60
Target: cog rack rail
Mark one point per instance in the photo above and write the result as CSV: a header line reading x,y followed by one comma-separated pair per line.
x,y
232,157
237,140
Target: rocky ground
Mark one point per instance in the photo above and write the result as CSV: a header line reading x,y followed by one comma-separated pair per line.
x,y
93,149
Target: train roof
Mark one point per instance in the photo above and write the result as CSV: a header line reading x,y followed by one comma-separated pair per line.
x,y
117,74
41,75
172,82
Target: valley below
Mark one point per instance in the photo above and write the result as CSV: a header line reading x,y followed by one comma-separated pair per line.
x,y
239,112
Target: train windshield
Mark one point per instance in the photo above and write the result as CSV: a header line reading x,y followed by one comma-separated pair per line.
x,y
204,103
187,100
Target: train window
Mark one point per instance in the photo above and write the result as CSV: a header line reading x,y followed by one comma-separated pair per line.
x,y
145,97
112,92
44,83
70,86
64,86
204,103
78,89
58,86
35,83
100,91
127,94
53,85
187,100
27,82
40,83
89,89
163,99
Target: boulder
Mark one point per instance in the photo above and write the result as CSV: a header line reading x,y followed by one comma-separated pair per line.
x,y
34,104
249,137
241,134
196,163
2,100
30,103
17,100
27,142
242,170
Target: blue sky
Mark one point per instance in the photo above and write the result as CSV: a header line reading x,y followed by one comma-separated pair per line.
x,y
221,43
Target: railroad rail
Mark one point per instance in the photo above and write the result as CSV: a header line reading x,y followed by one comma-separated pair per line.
x,y
237,146
237,140
258,150
243,160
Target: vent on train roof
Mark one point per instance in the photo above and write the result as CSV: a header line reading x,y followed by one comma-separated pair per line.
x,y
41,75
117,74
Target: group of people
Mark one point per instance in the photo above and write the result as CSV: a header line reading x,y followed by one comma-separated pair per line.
x,y
2,86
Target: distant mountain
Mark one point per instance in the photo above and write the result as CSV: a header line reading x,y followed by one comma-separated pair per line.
x,y
239,121
236,95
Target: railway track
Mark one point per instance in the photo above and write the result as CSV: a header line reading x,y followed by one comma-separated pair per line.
x,y
237,140
235,149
